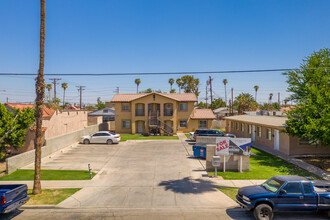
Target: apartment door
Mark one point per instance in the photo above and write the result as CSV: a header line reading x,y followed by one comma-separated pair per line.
x,y
253,135
139,127
276,140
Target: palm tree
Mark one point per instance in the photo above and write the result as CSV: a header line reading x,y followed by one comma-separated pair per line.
x,y
256,90
137,82
171,82
64,86
179,83
270,97
225,81
49,88
40,92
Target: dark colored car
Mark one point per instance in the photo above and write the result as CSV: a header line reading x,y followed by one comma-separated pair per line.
x,y
283,193
212,133
12,197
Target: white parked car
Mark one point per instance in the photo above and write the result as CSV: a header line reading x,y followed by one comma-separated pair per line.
x,y
103,137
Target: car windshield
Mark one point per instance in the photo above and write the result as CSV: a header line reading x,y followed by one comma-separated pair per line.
x,y
272,185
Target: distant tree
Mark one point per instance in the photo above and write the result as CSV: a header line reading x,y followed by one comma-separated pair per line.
x,y
100,105
217,103
171,82
286,101
201,105
225,81
310,88
256,90
137,82
190,84
147,91
13,128
64,86
158,91
245,102
270,97
49,88
172,91
179,83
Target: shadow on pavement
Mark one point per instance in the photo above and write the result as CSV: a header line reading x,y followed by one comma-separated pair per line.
x,y
189,186
10,215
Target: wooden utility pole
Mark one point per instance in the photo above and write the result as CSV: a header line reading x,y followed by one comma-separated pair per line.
x,y
80,89
279,100
232,101
55,83
210,80
207,83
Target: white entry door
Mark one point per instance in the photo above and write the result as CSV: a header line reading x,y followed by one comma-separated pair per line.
x,y
276,140
140,127
253,131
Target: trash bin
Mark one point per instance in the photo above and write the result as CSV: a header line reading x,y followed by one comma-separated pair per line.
x,y
199,151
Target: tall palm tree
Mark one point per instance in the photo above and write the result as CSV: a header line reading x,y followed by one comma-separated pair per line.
x,y
270,97
64,86
49,88
225,81
256,90
40,92
171,82
137,82
179,83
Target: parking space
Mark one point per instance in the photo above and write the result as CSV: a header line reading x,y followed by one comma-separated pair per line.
x,y
77,157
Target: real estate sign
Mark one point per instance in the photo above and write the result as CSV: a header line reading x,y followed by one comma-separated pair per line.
x,y
233,146
222,146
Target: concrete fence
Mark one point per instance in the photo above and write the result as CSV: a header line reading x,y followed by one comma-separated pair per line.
x,y
52,145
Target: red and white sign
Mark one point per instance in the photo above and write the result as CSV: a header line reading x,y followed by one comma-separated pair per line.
x,y
222,146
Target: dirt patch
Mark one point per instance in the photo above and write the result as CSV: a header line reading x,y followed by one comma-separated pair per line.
x,y
321,162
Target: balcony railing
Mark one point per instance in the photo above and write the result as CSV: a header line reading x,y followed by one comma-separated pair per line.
x,y
139,112
168,112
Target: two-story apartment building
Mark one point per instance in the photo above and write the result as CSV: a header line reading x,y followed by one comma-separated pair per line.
x,y
166,113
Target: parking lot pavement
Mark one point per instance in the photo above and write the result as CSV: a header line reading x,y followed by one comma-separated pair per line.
x,y
77,157
150,174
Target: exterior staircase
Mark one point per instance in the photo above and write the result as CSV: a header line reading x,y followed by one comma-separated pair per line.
x,y
156,125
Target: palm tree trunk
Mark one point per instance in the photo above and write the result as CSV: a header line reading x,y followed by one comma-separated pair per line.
x,y
137,89
63,98
226,95
40,90
255,98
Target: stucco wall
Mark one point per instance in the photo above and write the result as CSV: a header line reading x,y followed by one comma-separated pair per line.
x,y
297,149
64,122
94,120
52,145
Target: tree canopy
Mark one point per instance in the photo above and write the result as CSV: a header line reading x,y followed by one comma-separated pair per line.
x,y
100,105
189,84
310,88
245,102
13,128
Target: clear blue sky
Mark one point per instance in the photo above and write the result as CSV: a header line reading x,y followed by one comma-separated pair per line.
x,y
109,36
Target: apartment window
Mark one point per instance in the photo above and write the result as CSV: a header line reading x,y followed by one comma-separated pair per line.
x,y
268,134
249,127
125,107
259,131
242,127
126,124
203,124
183,106
237,126
183,124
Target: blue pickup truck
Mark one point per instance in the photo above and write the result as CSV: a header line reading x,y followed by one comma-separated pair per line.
x,y
283,193
12,197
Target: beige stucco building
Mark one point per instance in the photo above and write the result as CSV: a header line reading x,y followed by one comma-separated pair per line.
x,y
267,131
166,112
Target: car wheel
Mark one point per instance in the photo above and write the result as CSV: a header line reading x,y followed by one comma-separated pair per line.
x,y
86,141
263,212
109,141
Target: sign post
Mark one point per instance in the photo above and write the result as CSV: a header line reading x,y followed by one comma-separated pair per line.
x,y
216,164
222,148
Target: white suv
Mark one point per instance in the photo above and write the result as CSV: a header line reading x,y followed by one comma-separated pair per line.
x,y
104,137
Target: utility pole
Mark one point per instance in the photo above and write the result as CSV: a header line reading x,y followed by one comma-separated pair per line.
x,y
207,83
210,80
279,99
117,90
232,101
55,83
7,100
80,89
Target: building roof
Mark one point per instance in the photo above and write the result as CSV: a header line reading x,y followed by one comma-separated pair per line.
x,y
271,121
180,97
203,114
223,110
47,112
103,112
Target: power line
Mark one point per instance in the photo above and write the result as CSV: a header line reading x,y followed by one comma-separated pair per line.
x,y
162,73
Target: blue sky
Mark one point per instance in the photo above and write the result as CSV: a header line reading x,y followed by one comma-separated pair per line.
x,y
111,36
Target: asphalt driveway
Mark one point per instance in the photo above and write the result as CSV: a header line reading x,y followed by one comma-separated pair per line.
x,y
150,174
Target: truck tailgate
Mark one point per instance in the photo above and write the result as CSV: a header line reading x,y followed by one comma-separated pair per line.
x,y
16,192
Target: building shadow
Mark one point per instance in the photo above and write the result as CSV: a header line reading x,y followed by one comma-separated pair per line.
x,y
189,186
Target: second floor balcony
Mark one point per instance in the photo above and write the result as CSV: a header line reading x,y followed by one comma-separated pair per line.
x,y
139,112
